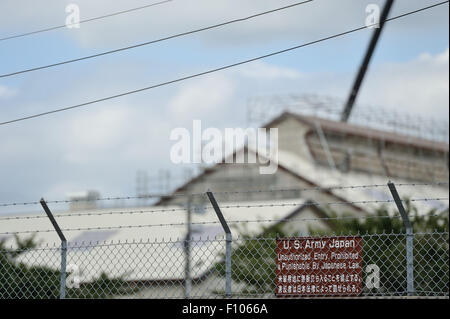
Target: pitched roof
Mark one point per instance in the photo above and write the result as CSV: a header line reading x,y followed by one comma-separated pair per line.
x,y
137,254
281,166
361,131
326,179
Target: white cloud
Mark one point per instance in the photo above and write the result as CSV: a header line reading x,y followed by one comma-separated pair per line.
x,y
89,137
440,59
202,97
418,86
101,147
309,21
6,92
263,71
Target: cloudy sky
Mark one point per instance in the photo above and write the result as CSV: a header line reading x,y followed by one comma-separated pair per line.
x,y
101,146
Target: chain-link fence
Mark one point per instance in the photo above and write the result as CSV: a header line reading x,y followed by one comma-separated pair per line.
x,y
362,265
266,252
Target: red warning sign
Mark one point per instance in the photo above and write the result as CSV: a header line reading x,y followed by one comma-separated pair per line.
x,y
319,266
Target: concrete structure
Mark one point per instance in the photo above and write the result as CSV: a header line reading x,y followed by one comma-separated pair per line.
x,y
319,153
349,147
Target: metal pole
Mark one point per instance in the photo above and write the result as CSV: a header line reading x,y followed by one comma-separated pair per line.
x,y
62,289
228,243
363,68
62,285
409,240
325,146
187,247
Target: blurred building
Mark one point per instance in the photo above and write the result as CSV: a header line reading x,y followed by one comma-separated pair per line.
x,y
321,162
83,200
315,152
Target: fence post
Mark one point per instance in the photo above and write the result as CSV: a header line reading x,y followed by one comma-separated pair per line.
x,y
228,243
409,240
62,289
187,247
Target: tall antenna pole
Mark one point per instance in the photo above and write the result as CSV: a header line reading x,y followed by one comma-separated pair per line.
x,y
363,68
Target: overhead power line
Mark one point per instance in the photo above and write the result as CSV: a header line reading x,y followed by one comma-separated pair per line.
x,y
214,70
83,21
153,41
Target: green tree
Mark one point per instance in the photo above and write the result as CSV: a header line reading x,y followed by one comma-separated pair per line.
x,y
384,244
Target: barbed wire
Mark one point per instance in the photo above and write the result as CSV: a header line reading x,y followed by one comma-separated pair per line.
x,y
325,188
149,196
67,201
422,184
331,203
320,219
99,213
209,238
232,222
203,208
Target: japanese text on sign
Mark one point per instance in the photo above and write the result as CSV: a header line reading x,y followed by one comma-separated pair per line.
x,y
319,266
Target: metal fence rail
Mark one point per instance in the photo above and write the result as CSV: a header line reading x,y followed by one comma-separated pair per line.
x,y
157,269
